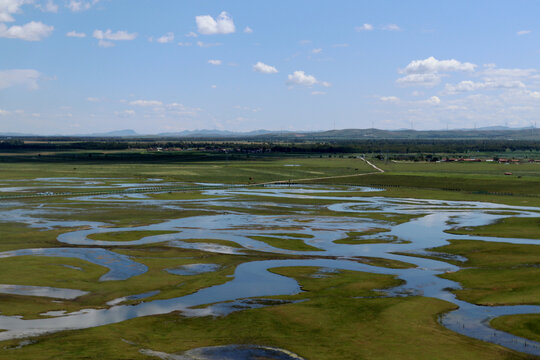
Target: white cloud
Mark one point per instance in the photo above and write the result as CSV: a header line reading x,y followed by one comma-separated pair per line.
x,y
75,34
92,99
207,45
213,86
32,31
318,93
264,68
181,109
191,34
300,78
115,36
364,27
492,72
146,103
468,85
316,51
214,62
10,7
4,112
248,30
106,44
167,38
427,80
50,6
125,113
19,77
184,44
431,65
389,98
535,94
523,32
207,25
391,27
434,100
80,5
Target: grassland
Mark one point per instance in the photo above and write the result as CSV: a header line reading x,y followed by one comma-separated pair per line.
x,y
287,244
335,320
126,235
340,316
511,227
527,325
496,273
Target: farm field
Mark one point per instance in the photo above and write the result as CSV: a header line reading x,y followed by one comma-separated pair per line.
x,y
145,261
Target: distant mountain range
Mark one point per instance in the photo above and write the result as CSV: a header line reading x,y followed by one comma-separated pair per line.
x,y
490,132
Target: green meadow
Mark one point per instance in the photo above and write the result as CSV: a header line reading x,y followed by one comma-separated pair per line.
x,y
338,315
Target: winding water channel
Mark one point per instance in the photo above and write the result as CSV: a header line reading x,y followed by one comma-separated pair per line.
x,y
253,280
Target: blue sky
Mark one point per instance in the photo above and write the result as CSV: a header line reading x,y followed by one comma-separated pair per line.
x,y
83,66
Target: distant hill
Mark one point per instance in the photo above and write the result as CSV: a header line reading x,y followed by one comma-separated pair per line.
x,y
213,133
358,134
116,133
492,132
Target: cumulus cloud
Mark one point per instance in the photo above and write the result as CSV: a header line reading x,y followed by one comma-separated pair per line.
x,y
316,51
107,37
426,80
431,65
264,68
523,32
115,36
19,77
10,7
191,34
207,25
248,30
468,85
75,34
434,100
167,38
428,72
80,5
301,78
494,78
364,27
214,62
145,103
32,31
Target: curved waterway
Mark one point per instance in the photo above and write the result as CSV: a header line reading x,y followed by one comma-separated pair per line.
x,y
253,280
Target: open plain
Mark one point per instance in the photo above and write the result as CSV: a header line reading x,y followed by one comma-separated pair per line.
x,y
113,260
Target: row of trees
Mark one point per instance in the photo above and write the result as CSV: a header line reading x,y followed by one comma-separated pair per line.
x,y
360,146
